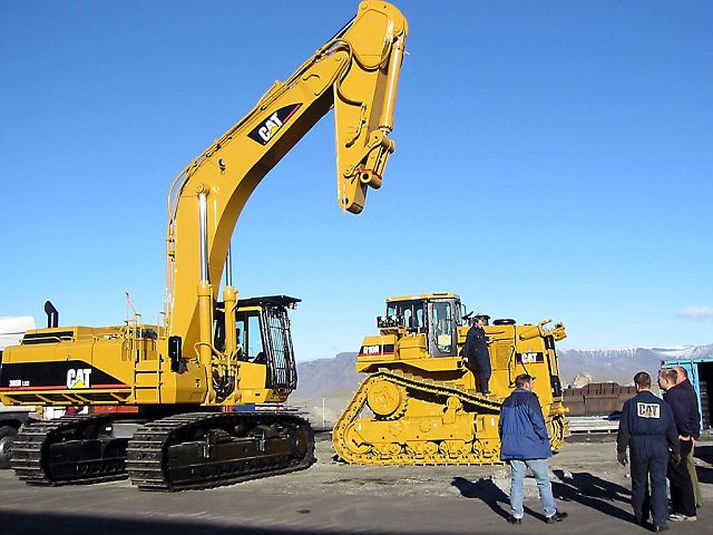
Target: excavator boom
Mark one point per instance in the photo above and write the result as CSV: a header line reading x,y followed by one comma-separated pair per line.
x,y
357,74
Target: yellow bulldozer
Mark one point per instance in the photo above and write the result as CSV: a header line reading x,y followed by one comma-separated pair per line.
x,y
172,385
419,403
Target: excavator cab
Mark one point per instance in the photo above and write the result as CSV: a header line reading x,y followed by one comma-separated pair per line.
x,y
262,329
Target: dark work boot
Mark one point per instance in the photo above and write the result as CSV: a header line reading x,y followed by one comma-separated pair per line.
x,y
557,517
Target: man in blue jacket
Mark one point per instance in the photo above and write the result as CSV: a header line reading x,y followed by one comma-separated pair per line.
x,y
525,444
648,429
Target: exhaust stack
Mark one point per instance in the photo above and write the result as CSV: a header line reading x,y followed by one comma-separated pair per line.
x,y
52,315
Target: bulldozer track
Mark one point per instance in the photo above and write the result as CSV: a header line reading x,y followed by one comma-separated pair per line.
x,y
430,452
152,467
34,463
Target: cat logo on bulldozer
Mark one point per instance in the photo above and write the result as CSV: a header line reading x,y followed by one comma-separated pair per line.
x,y
267,129
79,378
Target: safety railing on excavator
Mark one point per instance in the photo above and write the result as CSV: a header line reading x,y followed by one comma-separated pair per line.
x,y
138,336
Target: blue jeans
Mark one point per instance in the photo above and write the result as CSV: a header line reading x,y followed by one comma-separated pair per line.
x,y
540,468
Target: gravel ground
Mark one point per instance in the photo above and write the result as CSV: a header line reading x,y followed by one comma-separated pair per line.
x,y
333,497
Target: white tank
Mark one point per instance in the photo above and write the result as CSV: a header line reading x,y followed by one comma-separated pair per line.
x,y
12,328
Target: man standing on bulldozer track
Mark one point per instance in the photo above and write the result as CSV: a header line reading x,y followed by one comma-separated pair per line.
x,y
476,353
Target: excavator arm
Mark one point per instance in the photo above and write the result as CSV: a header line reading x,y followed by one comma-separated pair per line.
x,y
356,73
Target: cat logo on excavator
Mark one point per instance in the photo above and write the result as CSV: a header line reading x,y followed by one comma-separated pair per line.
x,y
265,131
79,378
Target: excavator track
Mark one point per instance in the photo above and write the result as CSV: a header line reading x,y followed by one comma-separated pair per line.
x,y
430,452
68,450
204,450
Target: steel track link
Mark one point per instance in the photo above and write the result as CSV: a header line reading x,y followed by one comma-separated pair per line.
x,y
414,383
31,463
147,451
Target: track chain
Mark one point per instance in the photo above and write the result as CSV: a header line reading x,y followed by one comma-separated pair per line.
x,y
30,458
414,383
147,451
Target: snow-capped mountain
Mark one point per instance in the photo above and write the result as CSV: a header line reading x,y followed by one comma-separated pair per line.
x,y
621,364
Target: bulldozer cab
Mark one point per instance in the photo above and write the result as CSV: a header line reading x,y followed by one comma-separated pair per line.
x,y
262,329
435,315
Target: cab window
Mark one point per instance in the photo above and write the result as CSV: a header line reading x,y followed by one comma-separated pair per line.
x,y
410,311
249,336
443,326
256,353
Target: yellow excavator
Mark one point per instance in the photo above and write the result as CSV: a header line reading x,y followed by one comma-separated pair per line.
x,y
420,404
179,378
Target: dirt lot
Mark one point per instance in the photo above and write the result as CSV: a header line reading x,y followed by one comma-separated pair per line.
x,y
336,498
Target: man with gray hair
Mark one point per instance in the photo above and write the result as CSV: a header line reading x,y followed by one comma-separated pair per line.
x,y
683,502
695,423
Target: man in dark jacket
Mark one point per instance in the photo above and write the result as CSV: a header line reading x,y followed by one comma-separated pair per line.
x,y
647,428
476,353
683,502
695,423
524,444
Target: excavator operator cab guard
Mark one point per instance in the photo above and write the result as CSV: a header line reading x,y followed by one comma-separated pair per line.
x,y
262,329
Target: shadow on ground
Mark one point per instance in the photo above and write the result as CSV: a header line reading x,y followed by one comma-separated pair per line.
x,y
594,492
15,523
490,494
582,488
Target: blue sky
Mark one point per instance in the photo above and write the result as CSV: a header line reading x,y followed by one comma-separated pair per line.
x,y
554,159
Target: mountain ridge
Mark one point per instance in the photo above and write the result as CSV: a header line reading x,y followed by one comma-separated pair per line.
x,y
336,377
